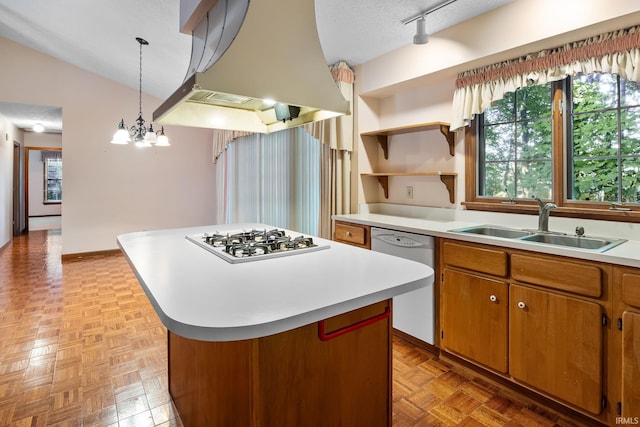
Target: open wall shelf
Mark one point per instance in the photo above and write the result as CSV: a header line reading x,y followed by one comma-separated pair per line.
x,y
447,178
382,136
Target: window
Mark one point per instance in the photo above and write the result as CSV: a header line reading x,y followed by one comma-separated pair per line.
x,y
274,179
604,147
52,180
575,142
516,145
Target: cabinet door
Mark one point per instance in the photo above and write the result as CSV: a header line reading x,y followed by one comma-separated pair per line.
x,y
556,345
475,318
630,364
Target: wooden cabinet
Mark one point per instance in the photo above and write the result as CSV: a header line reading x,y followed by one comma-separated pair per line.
x,y
476,258
353,234
382,138
475,318
537,320
628,280
556,345
630,404
330,373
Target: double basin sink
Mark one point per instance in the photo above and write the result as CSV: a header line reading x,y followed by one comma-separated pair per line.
x,y
595,244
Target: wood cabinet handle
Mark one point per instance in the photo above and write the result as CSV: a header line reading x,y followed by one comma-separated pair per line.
x,y
348,233
326,336
522,305
493,298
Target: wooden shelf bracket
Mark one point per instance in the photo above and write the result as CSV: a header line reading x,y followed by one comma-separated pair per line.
x,y
384,183
449,181
450,137
383,140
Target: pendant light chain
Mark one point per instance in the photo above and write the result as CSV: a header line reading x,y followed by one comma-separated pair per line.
x,y
141,41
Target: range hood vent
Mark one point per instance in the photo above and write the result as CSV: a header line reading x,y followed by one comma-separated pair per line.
x,y
256,66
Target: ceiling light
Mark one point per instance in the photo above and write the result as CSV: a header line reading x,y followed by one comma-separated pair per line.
x,y
143,137
421,36
38,127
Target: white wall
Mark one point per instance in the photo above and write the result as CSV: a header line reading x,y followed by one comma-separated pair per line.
x,y
110,189
415,85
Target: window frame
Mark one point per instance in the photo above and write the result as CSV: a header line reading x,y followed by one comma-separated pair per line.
x,y
566,207
57,180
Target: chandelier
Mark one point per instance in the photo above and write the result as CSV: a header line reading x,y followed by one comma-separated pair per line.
x,y
143,137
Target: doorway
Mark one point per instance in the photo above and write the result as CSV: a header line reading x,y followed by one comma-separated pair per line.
x,y
19,216
41,212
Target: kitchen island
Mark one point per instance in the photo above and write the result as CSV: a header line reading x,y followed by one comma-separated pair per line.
x,y
293,340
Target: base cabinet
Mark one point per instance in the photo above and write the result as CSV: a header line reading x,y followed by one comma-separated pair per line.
x,y
475,318
328,373
535,320
630,365
556,345
628,280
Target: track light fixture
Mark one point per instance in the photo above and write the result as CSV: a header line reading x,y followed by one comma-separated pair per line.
x,y
143,137
421,36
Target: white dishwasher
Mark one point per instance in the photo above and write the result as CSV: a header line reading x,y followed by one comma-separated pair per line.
x,y
413,312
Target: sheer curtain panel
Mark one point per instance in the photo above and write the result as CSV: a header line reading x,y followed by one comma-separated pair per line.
x,y
274,179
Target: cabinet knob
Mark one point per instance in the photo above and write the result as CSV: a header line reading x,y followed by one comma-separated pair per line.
x,y
493,298
348,233
521,304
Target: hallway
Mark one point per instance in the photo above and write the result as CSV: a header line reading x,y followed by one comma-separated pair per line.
x,y
80,345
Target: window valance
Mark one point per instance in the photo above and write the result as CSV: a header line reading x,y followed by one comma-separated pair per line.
x,y
51,155
615,52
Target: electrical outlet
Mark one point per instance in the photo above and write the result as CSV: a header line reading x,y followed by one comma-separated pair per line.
x,y
409,192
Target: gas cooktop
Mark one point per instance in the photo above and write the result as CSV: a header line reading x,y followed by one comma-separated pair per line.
x,y
253,245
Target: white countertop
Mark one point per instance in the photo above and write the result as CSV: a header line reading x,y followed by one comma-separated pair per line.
x,y
198,295
627,253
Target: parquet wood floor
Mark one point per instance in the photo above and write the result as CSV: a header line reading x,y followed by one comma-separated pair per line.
x,y
80,345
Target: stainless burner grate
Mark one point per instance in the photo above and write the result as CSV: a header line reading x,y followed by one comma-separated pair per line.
x,y
242,246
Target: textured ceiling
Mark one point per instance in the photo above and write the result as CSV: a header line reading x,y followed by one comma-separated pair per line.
x,y
99,36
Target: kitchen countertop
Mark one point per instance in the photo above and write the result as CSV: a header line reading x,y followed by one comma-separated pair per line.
x,y
198,295
627,253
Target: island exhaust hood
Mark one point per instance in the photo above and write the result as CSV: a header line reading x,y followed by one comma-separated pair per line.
x,y
256,66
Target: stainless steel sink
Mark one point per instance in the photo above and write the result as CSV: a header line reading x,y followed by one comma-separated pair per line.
x,y
596,244
599,244
494,231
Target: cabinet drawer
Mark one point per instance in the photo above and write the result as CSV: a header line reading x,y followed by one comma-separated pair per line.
x,y
352,233
631,289
578,278
490,261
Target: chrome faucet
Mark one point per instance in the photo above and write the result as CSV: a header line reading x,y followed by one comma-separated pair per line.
x,y
543,214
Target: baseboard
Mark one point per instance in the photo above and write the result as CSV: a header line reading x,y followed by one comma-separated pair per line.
x,y
6,245
84,255
417,342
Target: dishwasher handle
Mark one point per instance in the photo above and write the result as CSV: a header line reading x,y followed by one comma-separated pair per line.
x,y
399,240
